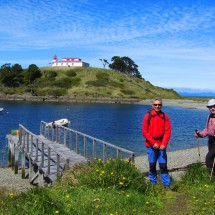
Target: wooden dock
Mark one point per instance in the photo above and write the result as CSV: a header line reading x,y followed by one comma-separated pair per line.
x,y
44,157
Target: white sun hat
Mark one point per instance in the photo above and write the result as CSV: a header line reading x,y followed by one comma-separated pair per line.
x,y
211,102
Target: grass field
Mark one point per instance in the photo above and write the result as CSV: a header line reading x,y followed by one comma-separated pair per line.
x,y
115,187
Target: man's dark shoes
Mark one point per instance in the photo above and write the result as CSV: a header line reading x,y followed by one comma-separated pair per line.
x,y
167,187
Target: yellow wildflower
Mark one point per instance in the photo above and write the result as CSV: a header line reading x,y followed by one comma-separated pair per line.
x,y
57,212
11,195
121,183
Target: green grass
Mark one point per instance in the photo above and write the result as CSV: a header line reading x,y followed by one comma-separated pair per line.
x,y
114,187
91,82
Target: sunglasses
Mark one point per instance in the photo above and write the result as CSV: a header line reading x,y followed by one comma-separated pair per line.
x,y
211,106
157,105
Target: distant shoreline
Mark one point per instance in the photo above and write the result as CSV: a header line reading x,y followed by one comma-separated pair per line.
x,y
191,104
68,99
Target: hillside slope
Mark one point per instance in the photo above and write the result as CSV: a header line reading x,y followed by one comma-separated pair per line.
x,y
100,83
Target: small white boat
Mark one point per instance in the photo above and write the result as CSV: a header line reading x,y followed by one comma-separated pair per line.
x,y
1,109
60,122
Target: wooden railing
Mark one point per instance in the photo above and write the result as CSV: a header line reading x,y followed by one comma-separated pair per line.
x,y
86,145
36,147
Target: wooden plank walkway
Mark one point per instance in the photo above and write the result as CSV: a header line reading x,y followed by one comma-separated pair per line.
x,y
46,160
45,156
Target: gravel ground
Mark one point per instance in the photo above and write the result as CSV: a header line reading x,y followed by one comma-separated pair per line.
x,y
13,182
177,163
177,160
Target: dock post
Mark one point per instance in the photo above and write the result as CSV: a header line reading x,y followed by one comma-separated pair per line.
x,y
31,169
16,161
23,163
9,153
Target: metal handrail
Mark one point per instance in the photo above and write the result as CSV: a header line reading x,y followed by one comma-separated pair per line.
x,y
55,136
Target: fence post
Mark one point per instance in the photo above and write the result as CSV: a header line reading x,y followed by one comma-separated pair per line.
x,y
23,163
64,136
118,153
49,159
70,140
58,165
104,152
94,149
85,147
77,150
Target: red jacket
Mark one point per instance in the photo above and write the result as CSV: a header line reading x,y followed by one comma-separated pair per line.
x,y
158,130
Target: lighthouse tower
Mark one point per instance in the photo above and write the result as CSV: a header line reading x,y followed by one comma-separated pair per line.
x,y
55,60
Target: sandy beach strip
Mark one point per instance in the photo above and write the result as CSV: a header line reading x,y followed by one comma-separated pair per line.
x,y
191,104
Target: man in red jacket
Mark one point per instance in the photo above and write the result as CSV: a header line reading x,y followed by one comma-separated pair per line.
x,y
156,129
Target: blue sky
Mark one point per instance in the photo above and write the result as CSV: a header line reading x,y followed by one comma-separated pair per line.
x,y
172,41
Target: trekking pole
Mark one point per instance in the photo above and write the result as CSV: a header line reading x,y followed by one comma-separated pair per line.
x,y
212,170
197,143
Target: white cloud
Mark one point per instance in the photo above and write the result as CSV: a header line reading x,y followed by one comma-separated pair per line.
x,y
167,37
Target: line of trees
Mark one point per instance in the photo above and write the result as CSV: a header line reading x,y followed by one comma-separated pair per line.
x,y
15,75
123,64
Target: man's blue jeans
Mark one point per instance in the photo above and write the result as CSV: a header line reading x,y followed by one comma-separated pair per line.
x,y
155,155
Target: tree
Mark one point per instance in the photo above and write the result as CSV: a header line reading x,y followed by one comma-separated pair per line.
x,y
16,69
8,78
104,62
33,72
6,65
125,65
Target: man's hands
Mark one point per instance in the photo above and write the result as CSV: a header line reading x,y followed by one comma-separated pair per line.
x,y
162,147
156,146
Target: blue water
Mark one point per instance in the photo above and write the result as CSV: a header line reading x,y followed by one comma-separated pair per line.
x,y
119,124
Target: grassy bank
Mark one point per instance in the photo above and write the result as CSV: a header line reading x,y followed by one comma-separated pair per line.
x,y
115,187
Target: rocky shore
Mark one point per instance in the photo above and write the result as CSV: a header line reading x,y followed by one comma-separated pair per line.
x,y
166,102
68,99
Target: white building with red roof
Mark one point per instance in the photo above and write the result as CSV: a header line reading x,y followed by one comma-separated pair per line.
x,y
68,62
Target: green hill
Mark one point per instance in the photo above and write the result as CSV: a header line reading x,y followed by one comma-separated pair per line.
x,y
96,82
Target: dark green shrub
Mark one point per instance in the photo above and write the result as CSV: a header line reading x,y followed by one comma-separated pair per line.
x,y
95,83
50,74
75,81
116,84
128,92
43,82
71,73
63,82
51,92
